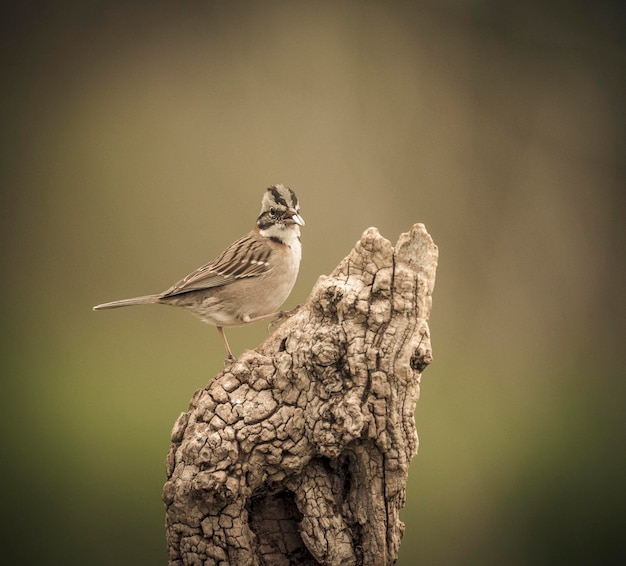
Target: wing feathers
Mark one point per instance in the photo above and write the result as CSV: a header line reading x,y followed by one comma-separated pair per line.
x,y
247,257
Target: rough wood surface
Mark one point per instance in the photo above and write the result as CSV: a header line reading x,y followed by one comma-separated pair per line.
x,y
298,452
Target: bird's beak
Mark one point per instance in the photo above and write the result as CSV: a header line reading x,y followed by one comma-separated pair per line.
x,y
295,217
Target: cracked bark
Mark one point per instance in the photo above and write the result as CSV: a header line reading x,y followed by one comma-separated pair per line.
x,y
298,452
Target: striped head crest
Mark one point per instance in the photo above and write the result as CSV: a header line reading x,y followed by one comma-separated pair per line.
x,y
279,206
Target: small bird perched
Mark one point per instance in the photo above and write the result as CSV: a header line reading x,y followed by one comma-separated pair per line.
x,y
250,279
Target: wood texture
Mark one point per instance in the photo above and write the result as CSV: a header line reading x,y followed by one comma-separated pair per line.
x,y
298,452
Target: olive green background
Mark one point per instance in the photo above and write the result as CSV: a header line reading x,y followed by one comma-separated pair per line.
x,y
138,138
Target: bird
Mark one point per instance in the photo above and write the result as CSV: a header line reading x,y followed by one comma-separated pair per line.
x,y
250,279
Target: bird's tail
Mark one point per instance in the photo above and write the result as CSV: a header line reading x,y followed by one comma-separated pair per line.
x,y
146,300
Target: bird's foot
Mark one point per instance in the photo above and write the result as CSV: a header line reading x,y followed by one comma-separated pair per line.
x,y
282,315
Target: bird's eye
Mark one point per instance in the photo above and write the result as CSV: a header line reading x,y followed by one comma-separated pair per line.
x,y
272,211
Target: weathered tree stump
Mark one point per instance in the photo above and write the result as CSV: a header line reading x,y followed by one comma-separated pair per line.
x,y
298,452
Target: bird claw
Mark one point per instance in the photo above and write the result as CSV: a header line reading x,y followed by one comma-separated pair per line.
x,y
282,315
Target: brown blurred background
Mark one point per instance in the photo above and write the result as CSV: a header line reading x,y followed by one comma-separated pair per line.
x,y
137,140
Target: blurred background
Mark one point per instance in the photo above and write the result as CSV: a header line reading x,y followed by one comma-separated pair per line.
x,y
137,140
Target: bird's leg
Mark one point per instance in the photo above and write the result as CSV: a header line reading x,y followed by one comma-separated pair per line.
x,y
275,315
230,354
285,314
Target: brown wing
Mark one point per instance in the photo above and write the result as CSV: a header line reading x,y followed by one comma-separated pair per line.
x,y
247,257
